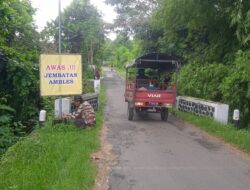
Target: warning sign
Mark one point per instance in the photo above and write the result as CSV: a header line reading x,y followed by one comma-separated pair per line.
x,y
60,74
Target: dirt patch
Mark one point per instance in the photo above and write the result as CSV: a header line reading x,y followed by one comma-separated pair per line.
x,y
103,159
207,144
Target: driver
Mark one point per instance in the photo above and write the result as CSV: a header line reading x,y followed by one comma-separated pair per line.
x,y
142,79
141,74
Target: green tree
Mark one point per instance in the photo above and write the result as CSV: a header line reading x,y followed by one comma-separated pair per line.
x,y
236,86
82,31
240,19
132,14
121,51
196,29
19,50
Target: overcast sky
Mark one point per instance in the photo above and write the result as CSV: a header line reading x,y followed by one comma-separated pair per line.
x,y
48,10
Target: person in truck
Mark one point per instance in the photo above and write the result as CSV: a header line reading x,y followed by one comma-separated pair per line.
x,y
141,74
141,79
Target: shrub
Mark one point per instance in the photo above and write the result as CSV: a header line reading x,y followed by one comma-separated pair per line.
x,y
222,83
202,81
236,86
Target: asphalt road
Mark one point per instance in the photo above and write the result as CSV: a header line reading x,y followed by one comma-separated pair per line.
x,y
156,155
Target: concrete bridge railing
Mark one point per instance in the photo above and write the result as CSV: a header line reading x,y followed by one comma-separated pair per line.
x,y
201,107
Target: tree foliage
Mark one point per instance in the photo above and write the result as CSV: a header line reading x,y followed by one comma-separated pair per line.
x,y
121,51
132,15
19,50
236,86
82,31
203,80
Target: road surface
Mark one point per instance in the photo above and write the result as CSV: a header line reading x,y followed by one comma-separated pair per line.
x,y
156,155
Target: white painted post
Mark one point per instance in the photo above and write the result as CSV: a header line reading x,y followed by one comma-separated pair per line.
x,y
42,117
97,84
236,118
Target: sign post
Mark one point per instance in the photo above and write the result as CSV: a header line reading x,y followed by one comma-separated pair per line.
x,y
59,49
60,74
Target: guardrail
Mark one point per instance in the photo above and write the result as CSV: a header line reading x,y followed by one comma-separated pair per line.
x,y
93,99
201,107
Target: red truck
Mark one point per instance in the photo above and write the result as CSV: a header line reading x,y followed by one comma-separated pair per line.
x,y
149,88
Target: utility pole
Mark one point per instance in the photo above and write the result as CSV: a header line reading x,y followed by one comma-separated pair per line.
x,y
91,53
59,50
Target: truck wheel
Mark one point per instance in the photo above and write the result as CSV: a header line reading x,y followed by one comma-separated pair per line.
x,y
130,112
164,114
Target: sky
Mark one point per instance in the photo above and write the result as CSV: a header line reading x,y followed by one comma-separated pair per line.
x,y
47,10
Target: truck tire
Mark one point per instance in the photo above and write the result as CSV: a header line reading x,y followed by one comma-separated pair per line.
x,y
164,114
130,112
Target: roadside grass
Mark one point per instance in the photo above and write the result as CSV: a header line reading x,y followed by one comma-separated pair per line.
x,y
230,134
54,157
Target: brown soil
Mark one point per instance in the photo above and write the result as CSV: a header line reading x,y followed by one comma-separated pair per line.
x,y
103,159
